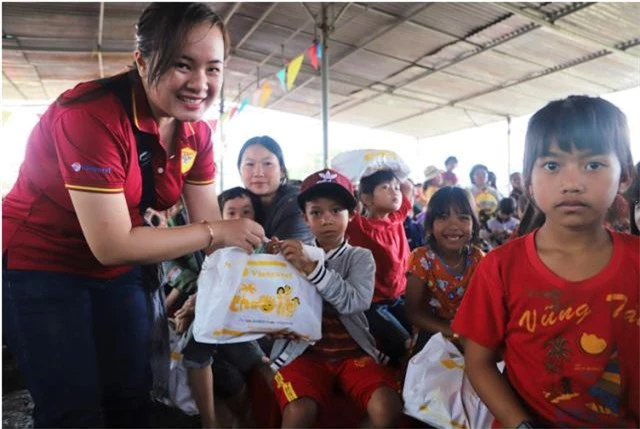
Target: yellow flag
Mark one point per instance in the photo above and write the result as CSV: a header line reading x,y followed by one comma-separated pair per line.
x,y
292,70
266,93
5,116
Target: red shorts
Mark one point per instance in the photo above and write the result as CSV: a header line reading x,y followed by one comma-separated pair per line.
x,y
314,377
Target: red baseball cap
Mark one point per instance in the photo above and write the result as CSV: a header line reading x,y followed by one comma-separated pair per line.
x,y
327,183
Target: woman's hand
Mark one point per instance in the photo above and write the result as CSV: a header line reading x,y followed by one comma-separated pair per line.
x,y
293,252
243,233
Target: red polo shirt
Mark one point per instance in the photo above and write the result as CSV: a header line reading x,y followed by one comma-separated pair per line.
x,y
90,146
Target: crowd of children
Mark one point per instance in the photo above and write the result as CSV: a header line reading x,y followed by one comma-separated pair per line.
x,y
559,303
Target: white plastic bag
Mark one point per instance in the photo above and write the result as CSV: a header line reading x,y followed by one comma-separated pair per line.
x,y
436,390
241,297
356,164
179,392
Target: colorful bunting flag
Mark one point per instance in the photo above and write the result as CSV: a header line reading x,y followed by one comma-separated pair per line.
x,y
282,75
286,78
313,56
266,93
243,104
293,69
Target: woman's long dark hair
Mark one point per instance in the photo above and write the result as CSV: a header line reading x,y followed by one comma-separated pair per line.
x,y
161,33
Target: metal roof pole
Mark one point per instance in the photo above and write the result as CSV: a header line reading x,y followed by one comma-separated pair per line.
x,y
325,87
99,47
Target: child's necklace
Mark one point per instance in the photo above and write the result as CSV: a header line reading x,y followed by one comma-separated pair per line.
x,y
462,258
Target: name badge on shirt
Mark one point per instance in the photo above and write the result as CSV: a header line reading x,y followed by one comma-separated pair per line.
x,y
187,156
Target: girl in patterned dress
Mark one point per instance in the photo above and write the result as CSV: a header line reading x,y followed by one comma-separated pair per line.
x,y
439,272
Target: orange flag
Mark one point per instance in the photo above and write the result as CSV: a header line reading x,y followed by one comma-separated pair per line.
x,y
266,93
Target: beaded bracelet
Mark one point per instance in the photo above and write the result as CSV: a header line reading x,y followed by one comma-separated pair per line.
x,y
209,247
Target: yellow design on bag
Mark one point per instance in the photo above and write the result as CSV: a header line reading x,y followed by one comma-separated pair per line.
x,y
451,364
267,264
379,153
225,331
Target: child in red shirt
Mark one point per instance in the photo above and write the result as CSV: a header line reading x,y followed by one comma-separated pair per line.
x,y
382,232
561,304
439,272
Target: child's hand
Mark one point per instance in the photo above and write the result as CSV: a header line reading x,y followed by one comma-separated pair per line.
x,y
188,308
293,252
182,323
273,246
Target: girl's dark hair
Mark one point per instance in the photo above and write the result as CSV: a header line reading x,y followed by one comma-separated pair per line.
x,y
450,159
442,202
580,122
633,198
369,183
476,168
532,218
272,146
162,30
237,192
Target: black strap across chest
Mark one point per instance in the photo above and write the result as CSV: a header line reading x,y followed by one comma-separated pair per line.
x,y
122,88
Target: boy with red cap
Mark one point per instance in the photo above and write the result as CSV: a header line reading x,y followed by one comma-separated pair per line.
x,y
346,354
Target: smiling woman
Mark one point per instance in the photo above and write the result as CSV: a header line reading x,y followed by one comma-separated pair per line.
x,y
73,232
263,172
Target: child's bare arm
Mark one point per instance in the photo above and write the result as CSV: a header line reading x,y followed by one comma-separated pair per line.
x,y
416,311
492,387
407,189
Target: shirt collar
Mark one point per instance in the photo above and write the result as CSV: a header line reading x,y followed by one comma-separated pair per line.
x,y
143,118
338,251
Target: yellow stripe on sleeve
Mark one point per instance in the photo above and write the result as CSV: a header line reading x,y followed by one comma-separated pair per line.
x,y
197,182
94,189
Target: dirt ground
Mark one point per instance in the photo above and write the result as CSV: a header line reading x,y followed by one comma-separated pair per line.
x,y
17,405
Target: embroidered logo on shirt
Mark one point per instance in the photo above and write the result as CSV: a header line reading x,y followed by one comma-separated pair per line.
x,y
187,158
144,158
77,167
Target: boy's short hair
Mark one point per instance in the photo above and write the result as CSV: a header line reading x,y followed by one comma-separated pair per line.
x,y
507,206
580,121
450,159
369,183
239,191
327,183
